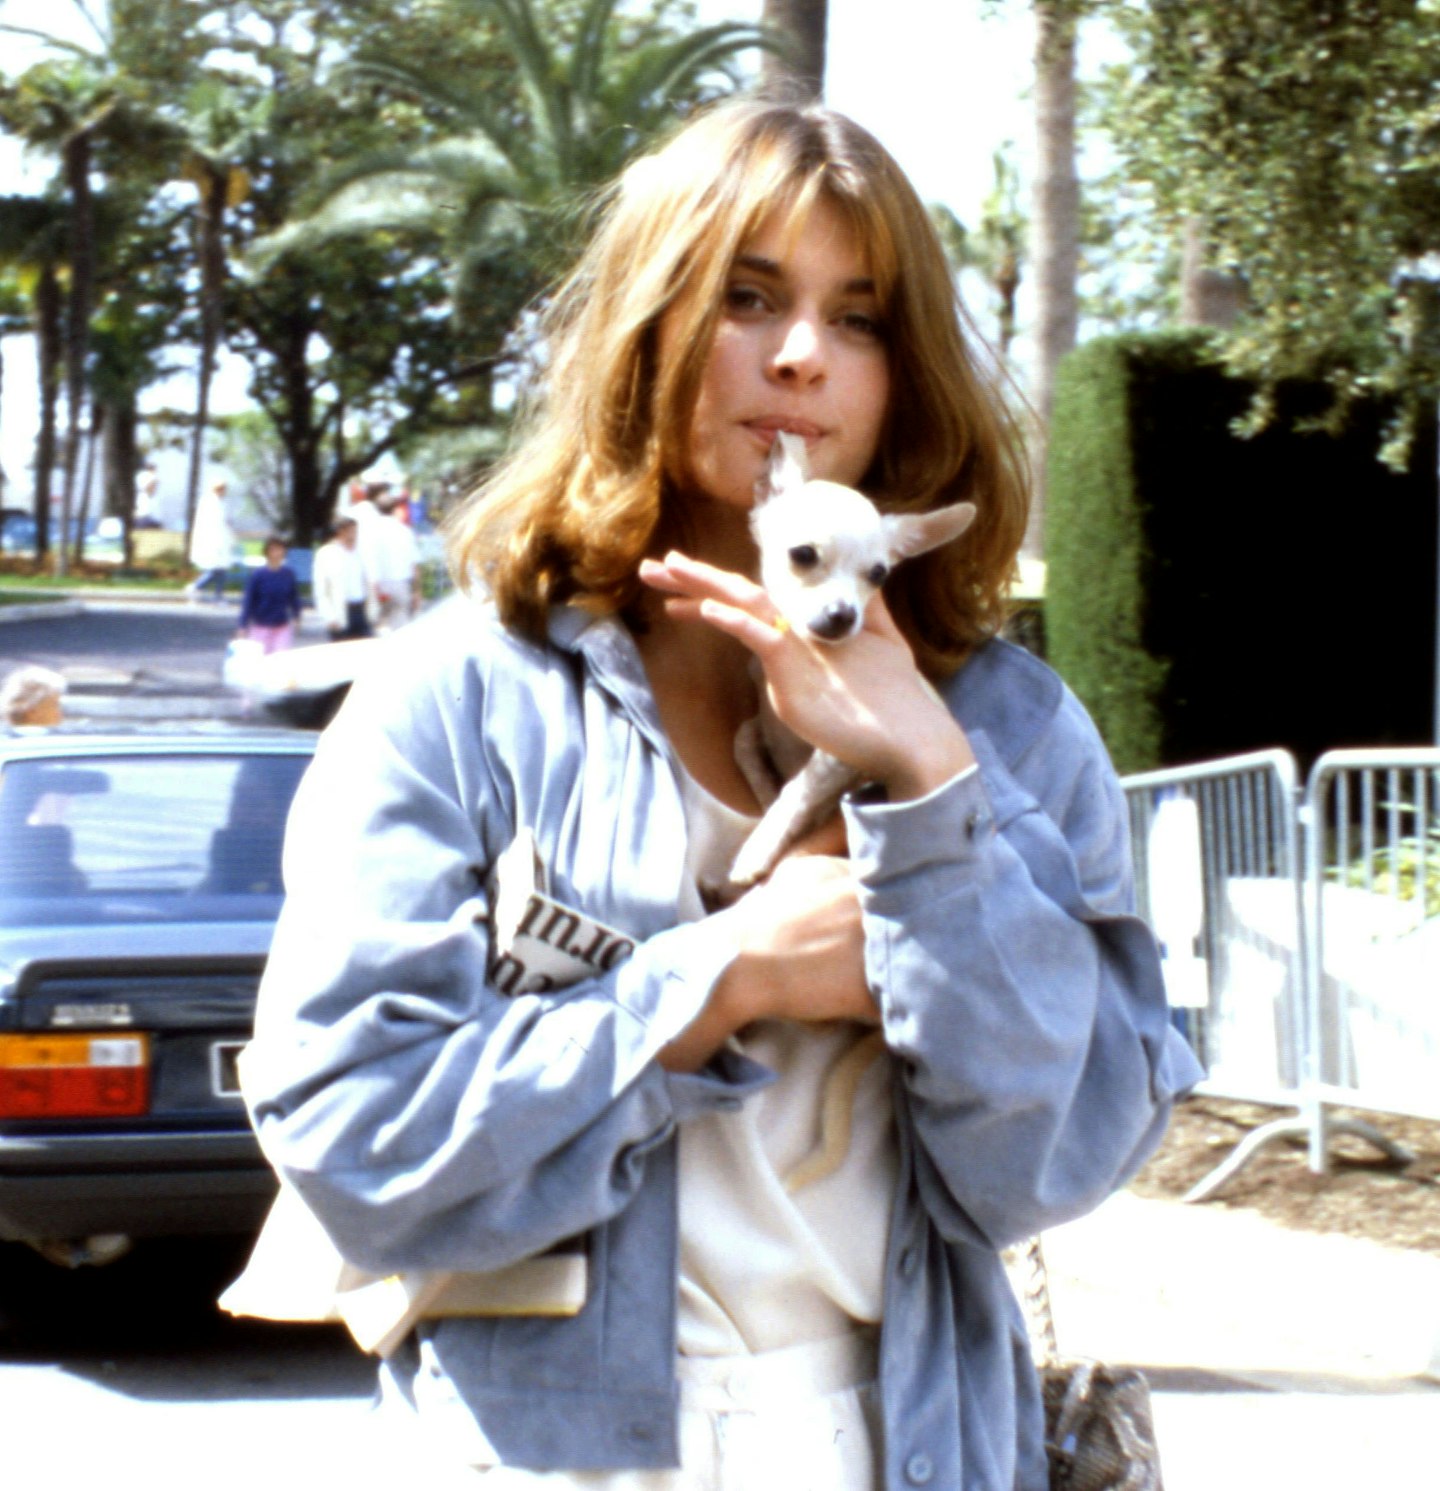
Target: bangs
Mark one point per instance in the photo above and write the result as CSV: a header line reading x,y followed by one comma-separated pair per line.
x,y
789,191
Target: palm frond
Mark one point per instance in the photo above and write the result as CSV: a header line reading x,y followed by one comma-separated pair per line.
x,y
58,42
659,72
590,51
541,78
456,162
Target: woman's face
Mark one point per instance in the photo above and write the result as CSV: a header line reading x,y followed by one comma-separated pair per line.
x,y
799,348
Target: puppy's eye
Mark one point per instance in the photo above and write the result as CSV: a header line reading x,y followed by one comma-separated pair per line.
x,y
878,575
804,556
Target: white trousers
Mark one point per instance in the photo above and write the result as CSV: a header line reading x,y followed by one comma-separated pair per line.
x,y
803,1419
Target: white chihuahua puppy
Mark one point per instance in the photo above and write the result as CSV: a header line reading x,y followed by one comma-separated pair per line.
x,y
825,550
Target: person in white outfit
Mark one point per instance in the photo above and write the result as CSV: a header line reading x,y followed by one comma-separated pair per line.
x,y
338,581
212,543
397,565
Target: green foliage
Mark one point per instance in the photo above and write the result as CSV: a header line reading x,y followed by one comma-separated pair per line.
x,y
1095,564
1209,592
1307,138
458,140
503,130
1407,870
249,448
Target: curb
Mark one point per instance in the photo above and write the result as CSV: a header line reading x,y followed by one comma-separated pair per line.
x,y
36,610
1163,1283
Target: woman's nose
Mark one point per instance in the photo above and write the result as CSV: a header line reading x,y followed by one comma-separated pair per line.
x,y
800,353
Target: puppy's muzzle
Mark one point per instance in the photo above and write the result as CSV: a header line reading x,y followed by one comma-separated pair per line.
x,y
836,622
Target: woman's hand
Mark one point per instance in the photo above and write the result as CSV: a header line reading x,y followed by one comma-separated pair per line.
x,y
801,957
862,701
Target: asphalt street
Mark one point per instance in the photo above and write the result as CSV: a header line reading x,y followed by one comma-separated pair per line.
x,y
135,658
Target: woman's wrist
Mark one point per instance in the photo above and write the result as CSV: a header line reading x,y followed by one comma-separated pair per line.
x,y
928,759
722,1014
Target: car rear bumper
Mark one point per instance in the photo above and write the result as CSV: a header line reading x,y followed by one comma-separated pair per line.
x,y
68,1186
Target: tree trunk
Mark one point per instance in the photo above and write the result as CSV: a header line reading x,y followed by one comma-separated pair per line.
x,y
211,250
1208,297
301,439
1057,225
76,159
120,427
802,23
49,312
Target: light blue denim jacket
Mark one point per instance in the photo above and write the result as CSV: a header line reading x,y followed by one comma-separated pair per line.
x,y
431,1122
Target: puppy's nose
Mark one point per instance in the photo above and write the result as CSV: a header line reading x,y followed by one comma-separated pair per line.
x,y
835,622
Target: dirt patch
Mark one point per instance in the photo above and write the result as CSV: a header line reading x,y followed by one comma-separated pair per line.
x,y
1364,1195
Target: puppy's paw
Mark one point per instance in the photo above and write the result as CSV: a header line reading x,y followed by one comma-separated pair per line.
x,y
758,855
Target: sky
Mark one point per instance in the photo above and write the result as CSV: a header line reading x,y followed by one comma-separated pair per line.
x,y
941,85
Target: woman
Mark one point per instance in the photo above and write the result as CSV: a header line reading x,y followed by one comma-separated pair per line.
x,y
769,269
271,606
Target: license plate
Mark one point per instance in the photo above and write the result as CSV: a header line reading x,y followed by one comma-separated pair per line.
x,y
224,1074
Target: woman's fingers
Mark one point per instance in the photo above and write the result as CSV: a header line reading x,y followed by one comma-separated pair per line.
x,y
730,602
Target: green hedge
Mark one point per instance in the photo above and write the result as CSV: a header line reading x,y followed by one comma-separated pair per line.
x,y
1208,594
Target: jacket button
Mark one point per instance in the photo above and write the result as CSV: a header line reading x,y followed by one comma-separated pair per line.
x,y
973,824
639,1433
909,1262
919,1470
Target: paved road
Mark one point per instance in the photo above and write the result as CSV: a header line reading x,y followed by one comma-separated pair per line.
x,y
128,1377
135,658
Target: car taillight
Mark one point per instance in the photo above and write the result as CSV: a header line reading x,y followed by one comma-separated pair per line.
x,y
74,1076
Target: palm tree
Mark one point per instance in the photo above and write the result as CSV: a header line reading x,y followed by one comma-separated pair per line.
x,y
996,248
1057,219
32,244
220,125
61,106
801,60
503,176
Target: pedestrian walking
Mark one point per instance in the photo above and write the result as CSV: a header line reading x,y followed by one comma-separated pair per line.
x,y
212,543
342,592
396,556
271,606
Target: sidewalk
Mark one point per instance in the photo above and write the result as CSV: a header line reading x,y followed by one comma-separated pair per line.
x,y
1278,1359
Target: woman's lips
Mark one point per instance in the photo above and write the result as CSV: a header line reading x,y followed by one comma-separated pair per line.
x,y
768,428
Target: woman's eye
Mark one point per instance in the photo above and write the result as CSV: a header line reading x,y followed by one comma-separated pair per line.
x,y
743,298
863,325
878,575
804,556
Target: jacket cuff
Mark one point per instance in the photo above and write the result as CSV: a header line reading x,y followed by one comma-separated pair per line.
x,y
891,841
665,984
723,1083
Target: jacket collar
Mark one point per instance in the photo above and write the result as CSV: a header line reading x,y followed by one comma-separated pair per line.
x,y
607,649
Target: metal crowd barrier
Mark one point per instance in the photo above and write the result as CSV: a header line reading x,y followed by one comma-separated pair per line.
x,y
1372,824
1301,933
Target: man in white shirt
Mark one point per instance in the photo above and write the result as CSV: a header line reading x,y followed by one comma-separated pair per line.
x,y
342,592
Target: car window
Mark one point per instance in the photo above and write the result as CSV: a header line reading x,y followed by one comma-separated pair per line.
x,y
182,837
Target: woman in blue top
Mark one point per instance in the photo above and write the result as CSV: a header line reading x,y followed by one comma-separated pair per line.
x,y
272,600
747,1319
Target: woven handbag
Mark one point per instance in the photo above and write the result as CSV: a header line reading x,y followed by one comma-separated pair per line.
x,y
1099,1429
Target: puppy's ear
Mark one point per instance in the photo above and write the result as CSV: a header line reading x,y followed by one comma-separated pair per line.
x,y
917,533
787,467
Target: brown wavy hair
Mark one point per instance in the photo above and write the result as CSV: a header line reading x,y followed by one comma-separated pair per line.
x,y
596,477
